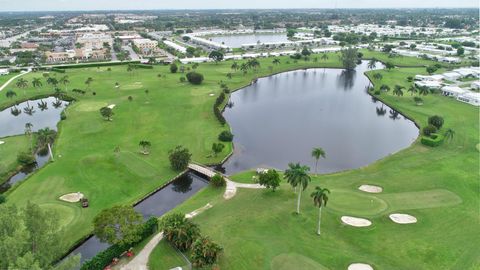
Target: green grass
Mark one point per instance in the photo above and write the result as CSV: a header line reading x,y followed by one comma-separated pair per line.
x,y
259,230
5,78
164,257
172,114
8,154
399,60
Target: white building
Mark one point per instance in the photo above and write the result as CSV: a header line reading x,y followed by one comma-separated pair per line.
x,y
470,98
475,85
175,46
452,76
429,84
4,71
453,91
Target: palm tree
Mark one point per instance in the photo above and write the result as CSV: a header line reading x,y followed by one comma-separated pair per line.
x,y
10,94
449,133
276,61
244,67
53,81
88,82
145,146
22,83
45,137
29,109
423,91
235,66
317,153
381,111
36,82
397,90
28,132
377,76
297,175
320,199
385,88
64,80
372,63
324,57
412,89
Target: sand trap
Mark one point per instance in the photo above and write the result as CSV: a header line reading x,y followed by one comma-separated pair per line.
x,y
403,218
359,266
211,95
2,142
370,188
111,106
72,197
356,222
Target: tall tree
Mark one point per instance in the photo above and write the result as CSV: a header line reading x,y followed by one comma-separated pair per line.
x,y
320,199
449,134
317,153
36,82
89,81
10,94
349,58
28,132
118,225
64,80
107,113
297,175
397,90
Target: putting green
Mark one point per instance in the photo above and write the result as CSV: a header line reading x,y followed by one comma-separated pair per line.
x,y
421,199
355,203
66,213
288,261
135,164
89,106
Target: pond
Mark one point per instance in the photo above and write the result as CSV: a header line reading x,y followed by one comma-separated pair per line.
x,y
281,118
41,113
157,204
236,41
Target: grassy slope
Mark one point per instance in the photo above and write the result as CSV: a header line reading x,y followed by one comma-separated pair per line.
x,y
165,257
437,185
8,154
171,114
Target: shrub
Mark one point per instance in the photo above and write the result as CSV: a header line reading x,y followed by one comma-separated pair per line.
x,y
182,79
269,179
2,198
205,252
429,130
225,136
217,180
377,92
194,77
173,68
26,158
179,158
143,66
63,116
436,121
179,231
433,141
220,99
219,115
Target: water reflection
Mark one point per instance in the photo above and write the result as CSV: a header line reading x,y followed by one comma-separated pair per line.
x,y
347,79
13,119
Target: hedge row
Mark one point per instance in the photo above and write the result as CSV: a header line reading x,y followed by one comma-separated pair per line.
x,y
142,66
433,141
97,64
105,257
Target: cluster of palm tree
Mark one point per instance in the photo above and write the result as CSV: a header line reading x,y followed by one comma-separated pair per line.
x,y
253,64
45,138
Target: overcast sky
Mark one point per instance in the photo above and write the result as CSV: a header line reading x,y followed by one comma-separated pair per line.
x,y
54,5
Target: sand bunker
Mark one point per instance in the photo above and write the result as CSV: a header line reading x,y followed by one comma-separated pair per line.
x,y
111,106
212,95
370,188
359,266
72,197
356,222
2,142
403,218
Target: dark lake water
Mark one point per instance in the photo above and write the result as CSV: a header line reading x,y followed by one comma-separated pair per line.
x,y
236,41
11,124
156,205
281,118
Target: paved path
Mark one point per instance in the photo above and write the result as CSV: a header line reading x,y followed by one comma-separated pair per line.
x,y
232,186
12,79
140,261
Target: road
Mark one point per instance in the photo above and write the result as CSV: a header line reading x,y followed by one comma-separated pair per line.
x,y
133,54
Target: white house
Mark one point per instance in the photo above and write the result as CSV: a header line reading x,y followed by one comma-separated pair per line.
x,y
175,46
475,85
4,71
470,98
436,77
453,91
452,76
429,84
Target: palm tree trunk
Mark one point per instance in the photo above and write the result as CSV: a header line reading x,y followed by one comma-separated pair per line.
x,y
298,201
50,151
316,164
319,219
